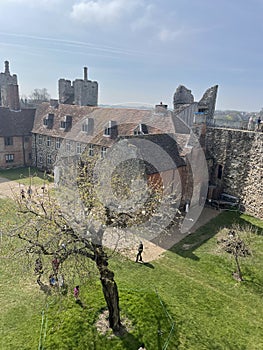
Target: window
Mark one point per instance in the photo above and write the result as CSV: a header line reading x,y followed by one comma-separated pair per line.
x,y
110,129
141,130
68,145
91,150
9,141
40,139
78,148
26,139
49,120
88,126
103,151
107,131
58,143
49,159
9,158
48,141
30,156
219,171
40,158
63,124
66,123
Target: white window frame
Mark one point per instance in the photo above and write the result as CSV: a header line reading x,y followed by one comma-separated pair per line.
x,y
9,158
58,142
68,145
91,150
78,147
103,151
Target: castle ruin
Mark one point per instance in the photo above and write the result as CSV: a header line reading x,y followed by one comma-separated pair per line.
x,y
9,93
82,92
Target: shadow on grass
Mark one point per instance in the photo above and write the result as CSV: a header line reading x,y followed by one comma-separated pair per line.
x,y
127,338
193,241
147,264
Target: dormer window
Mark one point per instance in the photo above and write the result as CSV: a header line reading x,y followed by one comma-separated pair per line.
x,y
49,120
88,126
110,129
202,110
141,129
66,123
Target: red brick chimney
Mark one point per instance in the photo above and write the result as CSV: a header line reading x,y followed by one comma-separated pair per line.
x,y
13,97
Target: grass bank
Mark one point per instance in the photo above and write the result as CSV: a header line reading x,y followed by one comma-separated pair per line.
x,y
185,300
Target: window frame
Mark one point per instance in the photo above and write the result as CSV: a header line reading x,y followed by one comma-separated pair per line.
x,y
9,158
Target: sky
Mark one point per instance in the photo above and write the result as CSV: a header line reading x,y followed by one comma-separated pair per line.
x,y
139,51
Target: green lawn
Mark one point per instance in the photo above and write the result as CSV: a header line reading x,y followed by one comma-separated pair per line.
x,y
26,176
185,300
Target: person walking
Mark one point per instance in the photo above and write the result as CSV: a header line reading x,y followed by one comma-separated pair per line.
x,y
139,254
23,194
76,293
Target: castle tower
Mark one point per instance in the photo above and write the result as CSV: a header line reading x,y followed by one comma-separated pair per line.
x,y
9,92
82,92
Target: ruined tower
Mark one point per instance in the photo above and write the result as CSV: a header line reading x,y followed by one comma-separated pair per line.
x,y
82,92
9,92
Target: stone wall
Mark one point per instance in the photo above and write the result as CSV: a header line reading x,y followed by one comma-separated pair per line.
x,y
235,160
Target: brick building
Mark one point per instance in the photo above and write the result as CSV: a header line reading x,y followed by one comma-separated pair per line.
x,y
15,124
15,137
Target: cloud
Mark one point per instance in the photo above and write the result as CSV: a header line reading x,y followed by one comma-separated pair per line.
x,y
102,11
146,20
33,3
166,35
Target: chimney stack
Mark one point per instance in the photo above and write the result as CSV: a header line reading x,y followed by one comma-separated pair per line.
x,y
13,97
161,108
7,67
85,73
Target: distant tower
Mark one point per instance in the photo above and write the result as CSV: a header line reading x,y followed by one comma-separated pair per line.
x,y
182,96
82,92
9,91
207,104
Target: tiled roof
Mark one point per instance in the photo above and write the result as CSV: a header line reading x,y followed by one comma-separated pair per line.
x,y
16,123
126,120
160,152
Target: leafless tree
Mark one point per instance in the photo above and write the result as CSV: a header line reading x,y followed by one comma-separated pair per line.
x,y
236,246
59,229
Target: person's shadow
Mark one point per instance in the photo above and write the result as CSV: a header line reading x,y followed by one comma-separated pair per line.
x,y
147,264
80,303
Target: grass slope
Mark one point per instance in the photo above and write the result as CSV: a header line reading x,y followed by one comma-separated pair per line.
x,y
209,309
25,176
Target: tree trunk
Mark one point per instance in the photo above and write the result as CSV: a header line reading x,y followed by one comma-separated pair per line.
x,y
109,288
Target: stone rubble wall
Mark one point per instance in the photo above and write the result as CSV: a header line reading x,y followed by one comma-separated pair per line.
x,y
240,153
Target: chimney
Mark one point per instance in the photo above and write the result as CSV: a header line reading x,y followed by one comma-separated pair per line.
x,y
161,108
85,73
7,68
13,97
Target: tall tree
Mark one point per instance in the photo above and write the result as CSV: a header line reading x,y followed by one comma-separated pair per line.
x,y
39,95
58,229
